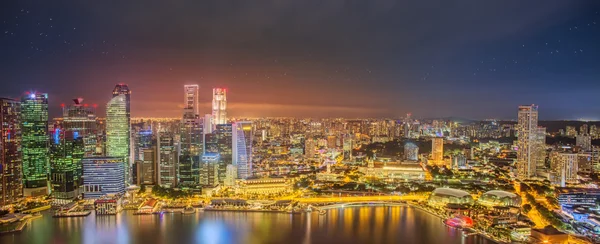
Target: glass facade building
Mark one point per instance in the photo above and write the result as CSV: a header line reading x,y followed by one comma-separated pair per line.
x,y
11,181
166,159
34,131
103,175
80,119
191,138
66,151
242,148
117,131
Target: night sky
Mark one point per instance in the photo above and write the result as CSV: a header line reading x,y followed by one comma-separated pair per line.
x,y
472,59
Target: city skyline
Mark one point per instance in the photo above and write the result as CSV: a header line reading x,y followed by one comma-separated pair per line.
x,y
274,60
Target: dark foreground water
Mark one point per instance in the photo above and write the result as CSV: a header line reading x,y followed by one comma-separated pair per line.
x,y
349,225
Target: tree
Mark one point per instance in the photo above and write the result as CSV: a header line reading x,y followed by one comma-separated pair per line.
x,y
526,208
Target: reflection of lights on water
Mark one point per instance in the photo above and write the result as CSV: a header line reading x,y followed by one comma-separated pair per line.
x,y
212,232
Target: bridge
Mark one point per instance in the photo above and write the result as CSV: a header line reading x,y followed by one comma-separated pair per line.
x,y
359,204
355,199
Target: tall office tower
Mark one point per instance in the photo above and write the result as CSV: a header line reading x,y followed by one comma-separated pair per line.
x,y
411,152
117,132
539,147
34,131
67,148
191,138
210,169
584,141
219,106
224,133
147,173
207,124
437,151
123,89
166,159
242,148
142,140
103,175
11,180
527,129
583,129
565,166
80,119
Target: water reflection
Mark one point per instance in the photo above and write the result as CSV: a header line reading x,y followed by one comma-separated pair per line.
x,y
344,225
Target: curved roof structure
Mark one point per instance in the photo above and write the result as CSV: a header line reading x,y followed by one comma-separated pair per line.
x,y
499,198
500,194
450,192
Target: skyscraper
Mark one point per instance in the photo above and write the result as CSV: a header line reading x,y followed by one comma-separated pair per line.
x,y
191,138
66,151
11,180
166,159
242,148
34,131
210,169
80,119
117,131
219,106
539,147
527,132
147,169
224,134
437,150
123,89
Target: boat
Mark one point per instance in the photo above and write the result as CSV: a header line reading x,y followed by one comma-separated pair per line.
x,y
188,210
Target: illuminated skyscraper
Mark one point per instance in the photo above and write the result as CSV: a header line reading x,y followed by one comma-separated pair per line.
x,y
66,151
191,138
210,169
103,175
34,130
166,159
539,148
147,170
123,89
219,106
11,180
224,134
242,148
527,131
437,150
117,131
80,119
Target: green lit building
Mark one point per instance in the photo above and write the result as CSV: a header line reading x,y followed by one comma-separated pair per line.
x,y
34,128
66,151
117,131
